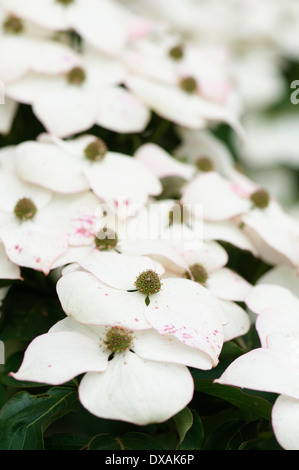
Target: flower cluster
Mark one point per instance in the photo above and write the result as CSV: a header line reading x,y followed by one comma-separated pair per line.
x,y
138,241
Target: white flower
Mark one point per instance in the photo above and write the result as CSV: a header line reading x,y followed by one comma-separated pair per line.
x,y
183,82
37,226
274,366
89,90
105,293
145,380
8,270
77,165
282,275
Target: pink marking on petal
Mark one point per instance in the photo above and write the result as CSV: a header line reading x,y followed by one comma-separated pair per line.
x,y
37,260
240,190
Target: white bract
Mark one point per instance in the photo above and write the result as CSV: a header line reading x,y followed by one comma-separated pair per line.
x,y
144,382
88,87
104,293
274,366
36,225
103,24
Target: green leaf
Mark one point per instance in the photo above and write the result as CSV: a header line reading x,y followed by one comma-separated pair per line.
x,y
190,429
25,417
140,441
28,313
244,399
3,395
105,442
63,441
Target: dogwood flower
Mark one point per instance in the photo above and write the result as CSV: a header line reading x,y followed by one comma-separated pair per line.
x,y
274,233
217,195
84,163
274,366
126,291
102,24
37,226
90,92
282,275
134,376
181,81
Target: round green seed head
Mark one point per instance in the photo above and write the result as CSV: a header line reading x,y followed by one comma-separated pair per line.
x,y
188,84
76,76
148,282
25,209
176,52
96,150
106,239
13,25
118,340
204,164
199,274
260,198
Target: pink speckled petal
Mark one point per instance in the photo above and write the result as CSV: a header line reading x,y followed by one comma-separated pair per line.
x,y
263,369
191,313
149,344
120,111
34,246
285,422
215,193
227,284
137,390
238,323
8,270
55,358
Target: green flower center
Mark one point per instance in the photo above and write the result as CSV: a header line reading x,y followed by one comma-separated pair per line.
x,y
199,274
25,209
13,25
148,282
106,239
188,84
204,164
260,198
76,76
118,340
96,150
176,52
